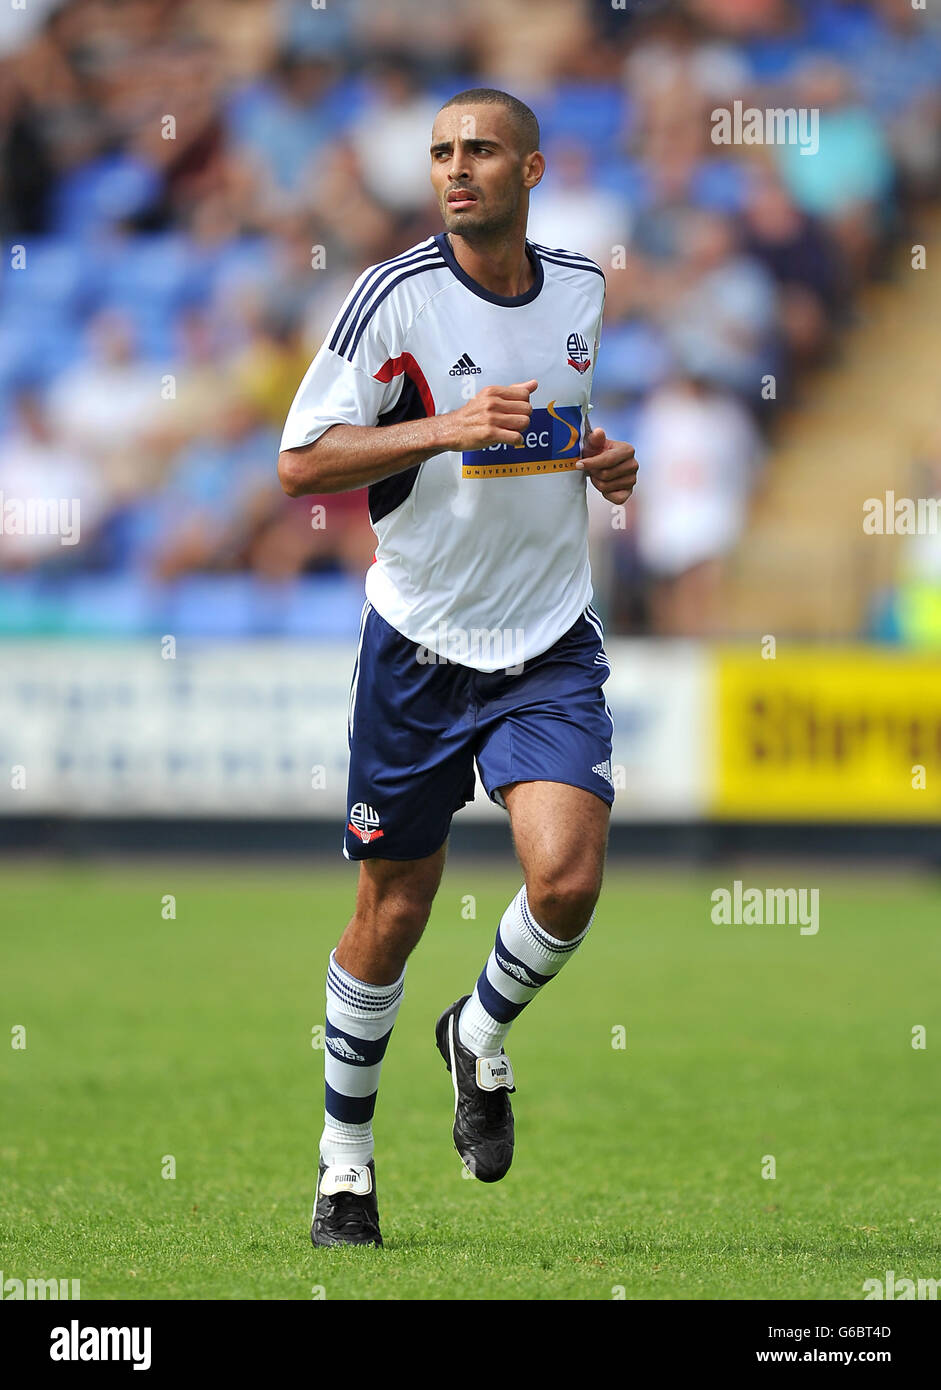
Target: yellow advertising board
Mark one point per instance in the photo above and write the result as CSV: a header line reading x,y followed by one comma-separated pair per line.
x,y
827,734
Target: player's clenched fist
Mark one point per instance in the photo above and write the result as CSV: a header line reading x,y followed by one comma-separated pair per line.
x,y
496,415
611,466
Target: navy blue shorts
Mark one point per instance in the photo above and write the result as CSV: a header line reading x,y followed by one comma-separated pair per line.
x,y
417,724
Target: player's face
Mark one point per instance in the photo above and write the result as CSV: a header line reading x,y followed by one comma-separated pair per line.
x,y
477,171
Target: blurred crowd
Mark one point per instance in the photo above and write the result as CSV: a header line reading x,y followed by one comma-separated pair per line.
x,y
188,188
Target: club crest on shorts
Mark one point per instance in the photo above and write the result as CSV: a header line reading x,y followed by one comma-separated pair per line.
x,y
364,822
577,349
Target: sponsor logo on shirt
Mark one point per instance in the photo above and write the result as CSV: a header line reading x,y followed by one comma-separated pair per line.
x,y
550,445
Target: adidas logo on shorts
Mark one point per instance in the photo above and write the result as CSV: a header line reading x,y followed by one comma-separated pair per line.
x,y
604,770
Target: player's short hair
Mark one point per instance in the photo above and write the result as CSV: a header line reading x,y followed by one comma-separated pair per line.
x,y
525,125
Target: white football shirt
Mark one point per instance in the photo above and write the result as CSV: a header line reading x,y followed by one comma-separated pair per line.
x,y
482,557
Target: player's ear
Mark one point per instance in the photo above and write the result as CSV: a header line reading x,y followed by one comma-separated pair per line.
x,y
534,166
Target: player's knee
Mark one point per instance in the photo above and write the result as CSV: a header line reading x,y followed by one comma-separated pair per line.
x,y
407,914
562,899
392,916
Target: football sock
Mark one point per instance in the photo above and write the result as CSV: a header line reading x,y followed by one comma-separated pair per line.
x,y
360,1018
524,958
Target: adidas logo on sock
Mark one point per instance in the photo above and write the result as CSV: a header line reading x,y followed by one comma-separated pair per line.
x,y
341,1048
518,972
465,366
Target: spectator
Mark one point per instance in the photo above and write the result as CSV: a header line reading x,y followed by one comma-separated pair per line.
x,y
391,138
795,248
569,197
700,452
720,306
41,472
284,127
916,604
219,491
108,402
848,182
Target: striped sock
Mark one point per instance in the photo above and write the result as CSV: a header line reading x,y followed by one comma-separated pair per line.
x,y
360,1018
524,958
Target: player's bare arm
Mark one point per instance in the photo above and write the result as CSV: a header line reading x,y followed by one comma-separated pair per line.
x,y
611,466
352,456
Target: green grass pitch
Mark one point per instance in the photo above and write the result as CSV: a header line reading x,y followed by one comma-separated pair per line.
x,y
638,1170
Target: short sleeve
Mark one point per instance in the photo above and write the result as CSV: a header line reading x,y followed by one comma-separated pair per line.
x,y
595,348
598,326
342,385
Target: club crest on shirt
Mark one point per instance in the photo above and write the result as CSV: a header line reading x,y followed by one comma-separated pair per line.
x,y
577,349
364,822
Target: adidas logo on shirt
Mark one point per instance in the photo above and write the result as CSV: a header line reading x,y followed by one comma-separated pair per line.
x,y
465,366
